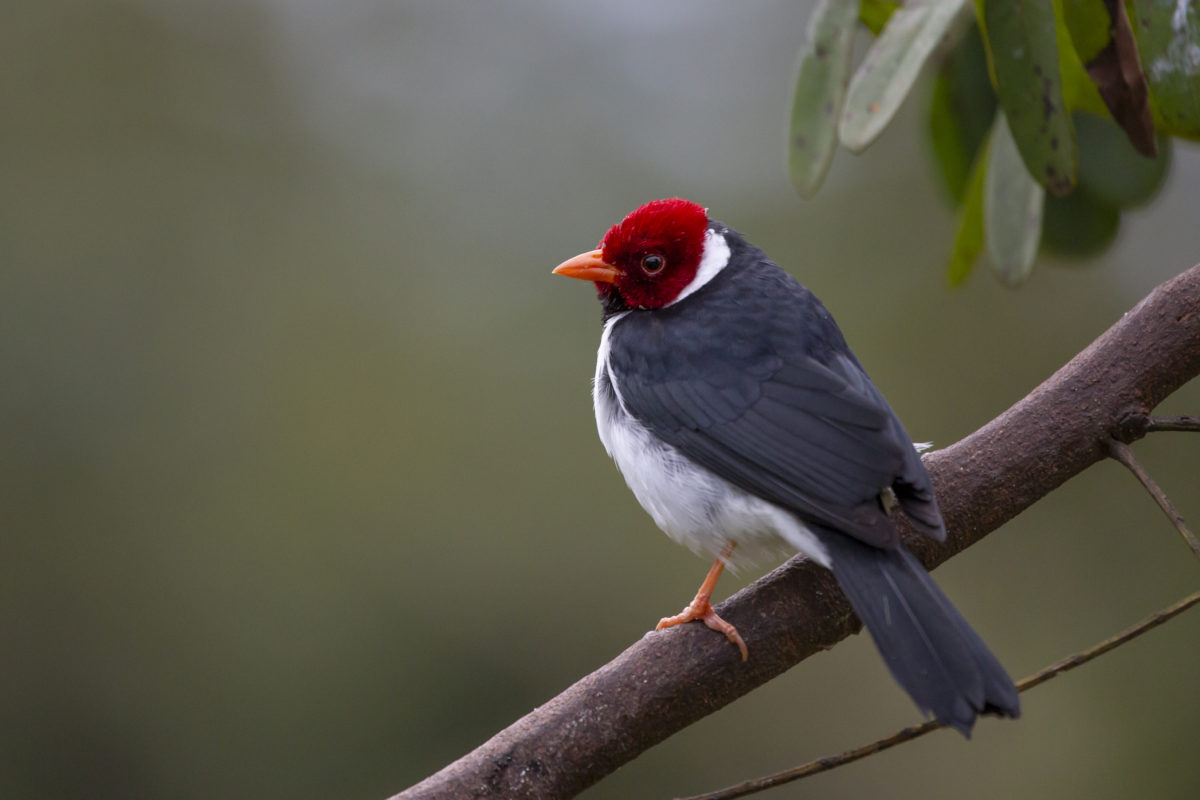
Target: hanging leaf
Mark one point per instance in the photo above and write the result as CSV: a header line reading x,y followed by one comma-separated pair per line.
x,y
961,111
820,88
875,13
1012,209
887,72
1168,36
1080,224
1112,170
968,240
1105,44
1079,93
1088,22
1023,46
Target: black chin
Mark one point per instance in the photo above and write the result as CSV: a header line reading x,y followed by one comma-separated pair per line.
x,y
611,300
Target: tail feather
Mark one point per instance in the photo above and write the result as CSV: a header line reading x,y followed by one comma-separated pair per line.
x,y
930,649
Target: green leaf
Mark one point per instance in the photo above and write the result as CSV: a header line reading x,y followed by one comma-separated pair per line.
x,y
1080,224
961,111
1168,36
1112,170
1023,44
1089,24
891,65
1079,92
1012,209
981,21
951,149
968,240
875,14
820,89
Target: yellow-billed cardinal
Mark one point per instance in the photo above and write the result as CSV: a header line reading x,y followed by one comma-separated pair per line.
x,y
737,413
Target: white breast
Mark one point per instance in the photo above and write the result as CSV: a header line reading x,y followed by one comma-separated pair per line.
x,y
692,505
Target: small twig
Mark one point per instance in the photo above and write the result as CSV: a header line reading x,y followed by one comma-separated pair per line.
x,y
1123,453
1100,648
1181,423
819,765
1041,676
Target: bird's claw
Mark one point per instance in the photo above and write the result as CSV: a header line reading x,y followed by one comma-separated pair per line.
x,y
702,610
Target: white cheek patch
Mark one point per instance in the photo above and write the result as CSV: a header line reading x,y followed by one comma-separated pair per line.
x,y
713,259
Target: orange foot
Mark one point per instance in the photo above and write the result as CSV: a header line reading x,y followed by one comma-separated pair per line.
x,y
701,609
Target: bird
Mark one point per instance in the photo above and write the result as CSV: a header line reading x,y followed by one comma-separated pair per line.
x,y
746,427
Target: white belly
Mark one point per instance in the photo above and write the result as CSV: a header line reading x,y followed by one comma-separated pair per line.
x,y
689,503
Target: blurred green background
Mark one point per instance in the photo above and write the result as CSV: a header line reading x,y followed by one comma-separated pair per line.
x,y
300,489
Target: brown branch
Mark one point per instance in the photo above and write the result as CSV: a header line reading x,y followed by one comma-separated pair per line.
x,y
1180,423
669,679
1124,453
914,731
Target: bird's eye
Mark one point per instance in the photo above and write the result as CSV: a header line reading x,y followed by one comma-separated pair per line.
x,y
653,264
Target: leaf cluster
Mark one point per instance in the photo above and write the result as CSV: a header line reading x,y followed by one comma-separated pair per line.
x,y
1047,118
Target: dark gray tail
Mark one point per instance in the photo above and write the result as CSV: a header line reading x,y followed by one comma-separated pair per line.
x,y
930,649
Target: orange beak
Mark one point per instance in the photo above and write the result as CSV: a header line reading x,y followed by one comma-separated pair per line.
x,y
589,266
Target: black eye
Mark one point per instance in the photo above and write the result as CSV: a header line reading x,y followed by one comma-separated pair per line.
x,y
653,264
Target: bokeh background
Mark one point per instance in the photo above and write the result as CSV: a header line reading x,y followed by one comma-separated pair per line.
x,y
299,486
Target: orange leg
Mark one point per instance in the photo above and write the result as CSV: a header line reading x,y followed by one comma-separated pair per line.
x,y
701,609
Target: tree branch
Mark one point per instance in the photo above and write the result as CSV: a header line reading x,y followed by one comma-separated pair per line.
x,y
669,679
1124,453
1182,423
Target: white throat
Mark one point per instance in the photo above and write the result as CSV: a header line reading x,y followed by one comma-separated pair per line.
x,y
713,259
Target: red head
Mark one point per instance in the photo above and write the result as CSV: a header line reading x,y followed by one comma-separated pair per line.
x,y
649,257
